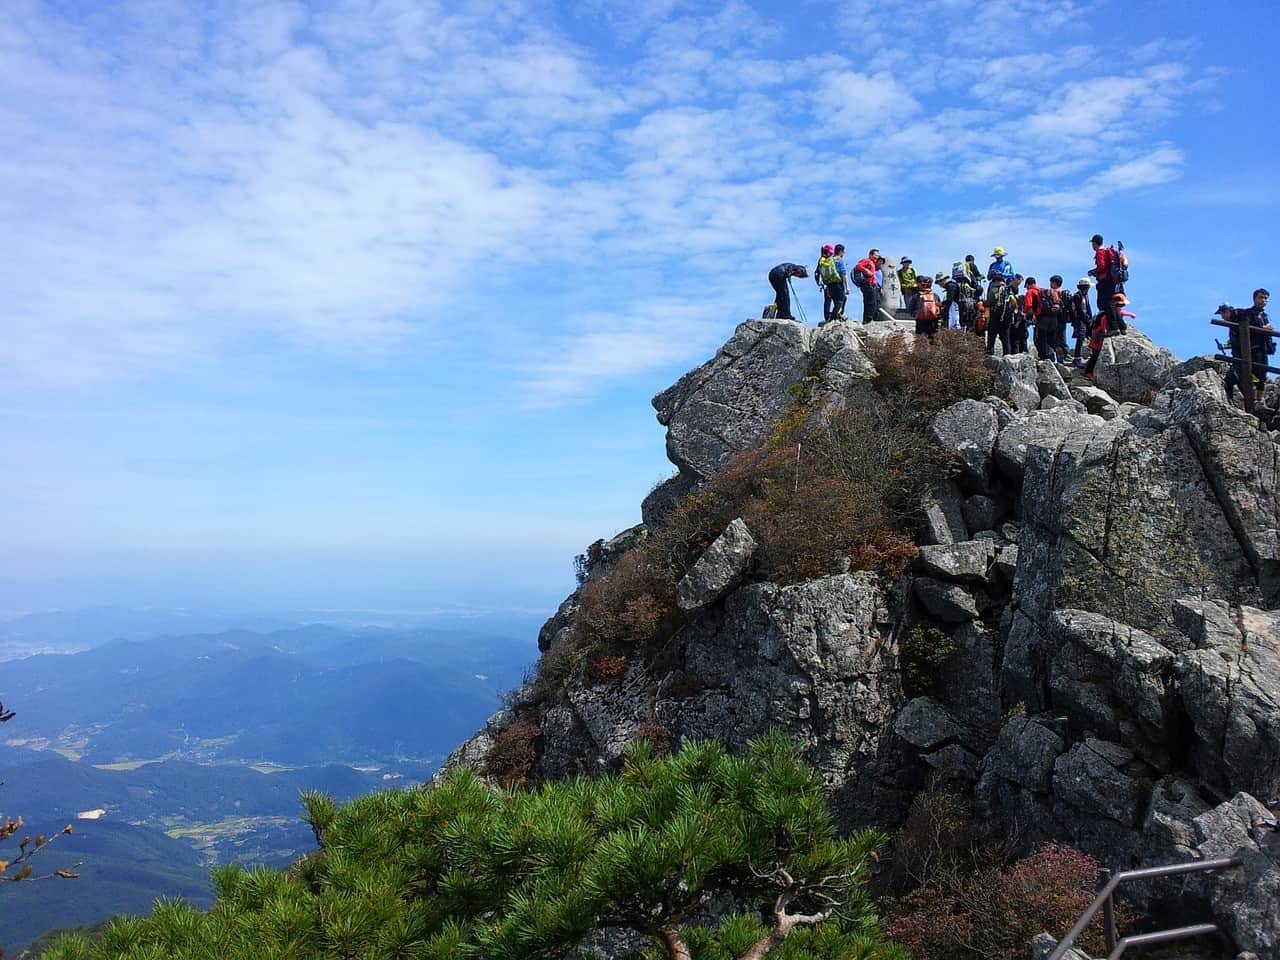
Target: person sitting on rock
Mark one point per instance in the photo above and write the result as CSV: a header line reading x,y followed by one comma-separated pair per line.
x,y
778,279
1100,330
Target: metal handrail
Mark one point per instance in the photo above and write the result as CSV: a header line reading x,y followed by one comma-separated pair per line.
x,y
1104,903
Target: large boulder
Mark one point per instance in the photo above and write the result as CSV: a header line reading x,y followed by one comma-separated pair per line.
x,y
942,515
816,659
968,429
1017,379
1099,778
1042,427
719,569
1132,367
732,401
965,562
1229,684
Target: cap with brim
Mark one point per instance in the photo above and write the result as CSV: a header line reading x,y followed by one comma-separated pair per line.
x,y
905,260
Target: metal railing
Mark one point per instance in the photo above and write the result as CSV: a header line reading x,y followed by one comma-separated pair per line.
x,y
1105,904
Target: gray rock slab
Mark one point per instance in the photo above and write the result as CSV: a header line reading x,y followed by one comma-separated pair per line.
x,y
719,569
968,429
969,561
949,602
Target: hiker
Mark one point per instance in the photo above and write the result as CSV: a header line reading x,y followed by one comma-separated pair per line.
x,y
1080,314
974,274
1000,269
908,281
925,309
1018,320
827,276
999,308
864,278
1260,347
1102,330
778,278
960,293
949,289
1106,265
1033,310
1056,315
879,282
843,270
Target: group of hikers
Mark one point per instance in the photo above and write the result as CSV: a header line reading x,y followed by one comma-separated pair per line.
x,y
1000,305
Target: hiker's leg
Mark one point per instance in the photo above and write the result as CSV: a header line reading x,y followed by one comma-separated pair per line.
x,y
868,302
782,297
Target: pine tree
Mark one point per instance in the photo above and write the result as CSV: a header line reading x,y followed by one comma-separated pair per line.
x,y
464,870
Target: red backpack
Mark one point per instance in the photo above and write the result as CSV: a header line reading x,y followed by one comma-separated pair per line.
x,y
929,306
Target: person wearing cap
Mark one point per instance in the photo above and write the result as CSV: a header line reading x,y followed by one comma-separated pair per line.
x,y
1000,269
1107,289
1080,315
778,278
864,278
950,287
908,280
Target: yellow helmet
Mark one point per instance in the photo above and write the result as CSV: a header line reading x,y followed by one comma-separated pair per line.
x,y
998,252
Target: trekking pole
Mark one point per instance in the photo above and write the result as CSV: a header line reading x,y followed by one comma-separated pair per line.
x,y
796,300
797,486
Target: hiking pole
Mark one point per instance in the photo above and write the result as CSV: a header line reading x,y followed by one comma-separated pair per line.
x,y
796,300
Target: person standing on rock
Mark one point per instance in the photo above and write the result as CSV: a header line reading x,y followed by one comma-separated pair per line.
x,y
842,268
908,281
1103,260
974,274
779,277
1260,347
828,278
925,309
864,278
1056,315
1018,320
1033,310
1000,269
1080,314
1000,305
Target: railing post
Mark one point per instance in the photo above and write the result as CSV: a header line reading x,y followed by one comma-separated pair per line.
x,y
1108,911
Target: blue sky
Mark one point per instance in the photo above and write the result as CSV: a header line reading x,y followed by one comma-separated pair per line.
x,y
361,304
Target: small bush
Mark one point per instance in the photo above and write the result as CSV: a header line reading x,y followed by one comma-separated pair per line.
x,y
514,753
924,652
968,902
922,380
656,734
605,667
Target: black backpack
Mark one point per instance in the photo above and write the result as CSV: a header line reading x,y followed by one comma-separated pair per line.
x,y
1053,303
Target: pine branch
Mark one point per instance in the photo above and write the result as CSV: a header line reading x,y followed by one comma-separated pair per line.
x,y
28,848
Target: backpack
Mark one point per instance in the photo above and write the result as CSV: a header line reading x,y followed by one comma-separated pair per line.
x,y
929,307
1117,264
827,270
770,312
1051,299
958,271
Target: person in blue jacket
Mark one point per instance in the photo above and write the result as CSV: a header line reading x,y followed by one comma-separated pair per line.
x,y
1000,269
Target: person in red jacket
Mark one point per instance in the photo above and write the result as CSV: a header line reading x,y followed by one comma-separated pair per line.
x,y
1107,288
1102,329
864,278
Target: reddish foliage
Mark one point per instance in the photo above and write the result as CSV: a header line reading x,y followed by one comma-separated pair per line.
x,y
657,735
603,667
514,752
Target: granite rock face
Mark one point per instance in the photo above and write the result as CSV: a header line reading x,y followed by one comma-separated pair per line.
x,y
730,403
1098,586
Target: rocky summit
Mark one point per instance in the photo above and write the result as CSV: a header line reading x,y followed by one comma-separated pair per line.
x,y
1099,582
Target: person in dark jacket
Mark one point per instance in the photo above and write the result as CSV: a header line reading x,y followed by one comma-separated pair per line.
x,y
1033,310
778,278
1000,307
1261,348
1080,315
949,288
1018,320
974,273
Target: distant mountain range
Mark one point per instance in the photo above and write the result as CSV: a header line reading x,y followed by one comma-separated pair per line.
x,y
195,747
311,695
